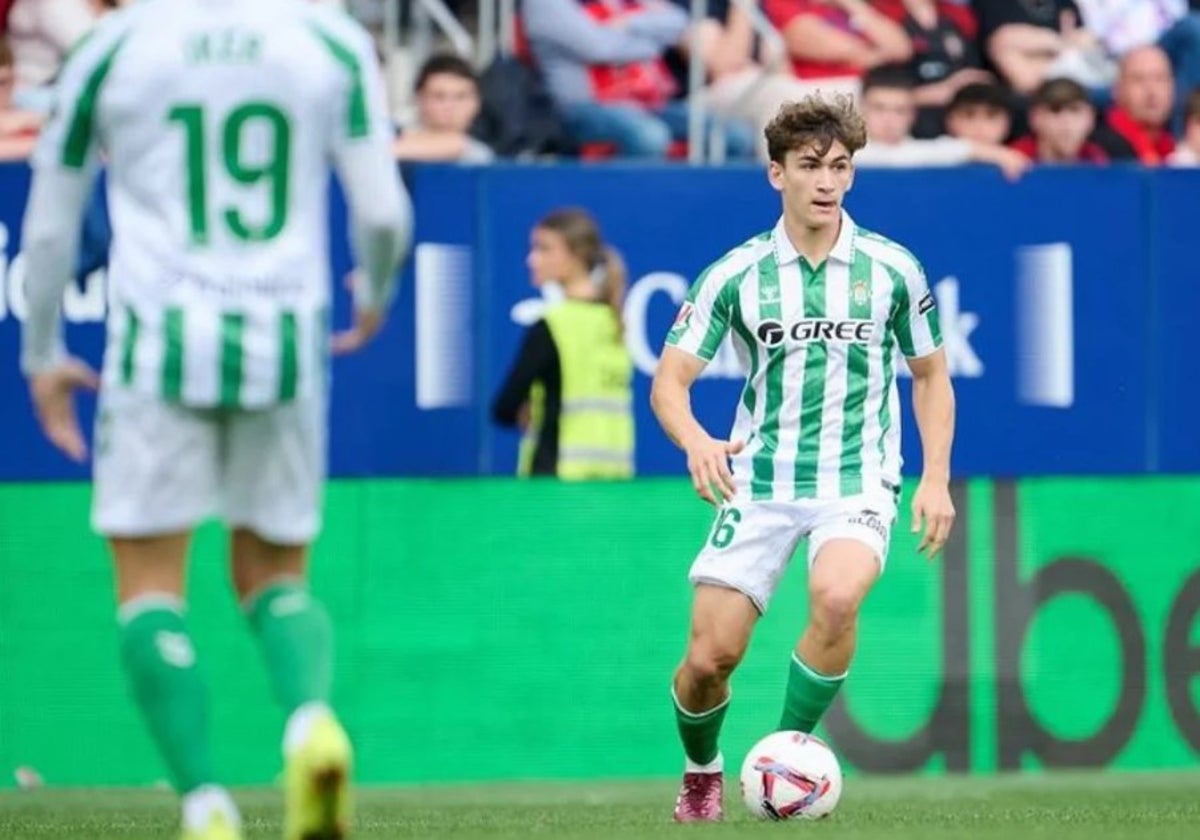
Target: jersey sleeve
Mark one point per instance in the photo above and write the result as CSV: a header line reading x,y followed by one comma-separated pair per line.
x,y
69,139
705,317
914,316
360,149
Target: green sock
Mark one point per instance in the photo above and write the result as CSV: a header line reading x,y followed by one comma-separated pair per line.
x,y
699,732
160,664
808,695
296,637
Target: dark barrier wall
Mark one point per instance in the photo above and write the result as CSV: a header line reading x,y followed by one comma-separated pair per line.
x,y
1068,300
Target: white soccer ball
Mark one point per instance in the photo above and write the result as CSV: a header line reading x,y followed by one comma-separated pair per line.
x,y
791,776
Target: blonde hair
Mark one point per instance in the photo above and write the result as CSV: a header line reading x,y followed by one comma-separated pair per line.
x,y
585,242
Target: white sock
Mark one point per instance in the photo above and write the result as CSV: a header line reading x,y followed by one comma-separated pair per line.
x,y
203,802
300,724
717,765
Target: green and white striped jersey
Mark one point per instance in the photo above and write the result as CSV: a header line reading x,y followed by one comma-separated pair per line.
x,y
219,122
820,412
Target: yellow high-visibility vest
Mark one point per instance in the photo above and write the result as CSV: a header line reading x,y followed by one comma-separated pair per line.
x,y
595,424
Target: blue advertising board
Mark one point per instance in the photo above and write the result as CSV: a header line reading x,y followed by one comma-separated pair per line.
x,y
1065,300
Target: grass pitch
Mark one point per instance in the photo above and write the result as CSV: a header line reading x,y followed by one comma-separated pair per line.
x,y
1063,807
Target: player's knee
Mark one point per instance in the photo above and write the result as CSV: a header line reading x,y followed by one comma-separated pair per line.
x,y
835,608
711,662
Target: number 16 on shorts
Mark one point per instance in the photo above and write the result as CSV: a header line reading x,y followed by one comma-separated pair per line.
x,y
724,529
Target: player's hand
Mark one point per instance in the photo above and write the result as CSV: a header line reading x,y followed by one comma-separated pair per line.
x,y
367,322
53,394
708,462
932,506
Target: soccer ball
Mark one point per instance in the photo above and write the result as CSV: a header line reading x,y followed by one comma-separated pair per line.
x,y
790,776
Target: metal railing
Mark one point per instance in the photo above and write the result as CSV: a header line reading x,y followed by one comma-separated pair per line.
x,y
496,36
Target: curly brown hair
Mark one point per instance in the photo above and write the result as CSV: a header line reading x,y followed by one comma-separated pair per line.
x,y
817,122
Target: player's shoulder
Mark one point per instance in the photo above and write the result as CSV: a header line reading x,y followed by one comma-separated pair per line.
x,y
888,251
737,261
112,30
331,23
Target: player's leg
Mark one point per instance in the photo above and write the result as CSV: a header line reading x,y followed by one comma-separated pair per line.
x,y
847,550
722,622
275,466
154,480
290,624
735,575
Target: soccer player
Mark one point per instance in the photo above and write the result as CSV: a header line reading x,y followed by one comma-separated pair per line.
x,y
219,121
817,307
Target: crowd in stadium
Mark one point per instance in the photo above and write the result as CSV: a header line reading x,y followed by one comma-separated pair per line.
x,y
941,82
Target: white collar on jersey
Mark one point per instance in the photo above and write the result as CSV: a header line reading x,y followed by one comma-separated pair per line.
x,y
843,249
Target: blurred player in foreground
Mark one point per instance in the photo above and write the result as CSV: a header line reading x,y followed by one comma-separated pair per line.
x,y
817,307
219,121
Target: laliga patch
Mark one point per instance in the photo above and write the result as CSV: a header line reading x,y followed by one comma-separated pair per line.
x,y
926,303
684,316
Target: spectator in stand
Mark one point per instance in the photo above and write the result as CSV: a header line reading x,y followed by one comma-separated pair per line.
x,y
945,57
1062,119
745,82
1029,41
1122,26
41,33
1136,127
889,106
1188,151
602,61
982,113
18,129
836,41
447,96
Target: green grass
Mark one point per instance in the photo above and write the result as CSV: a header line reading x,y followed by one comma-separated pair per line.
x,y
1062,807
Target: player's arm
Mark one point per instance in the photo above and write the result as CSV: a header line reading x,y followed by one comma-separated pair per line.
x,y
919,336
380,209
64,164
933,405
701,326
707,458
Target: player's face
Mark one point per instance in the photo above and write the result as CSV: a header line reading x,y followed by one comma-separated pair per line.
x,y
813,184
550,260
447,102
1064,130
890,113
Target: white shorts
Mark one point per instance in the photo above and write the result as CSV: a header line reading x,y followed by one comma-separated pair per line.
x,y
751,543
162,468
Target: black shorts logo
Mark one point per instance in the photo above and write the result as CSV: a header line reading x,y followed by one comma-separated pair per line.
x,y
871,519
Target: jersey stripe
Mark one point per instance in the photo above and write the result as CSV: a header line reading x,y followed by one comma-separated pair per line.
x,y
749,395
82,126
769,307
172,369
358,123
857,379
900,312
287,356
812,391
129,346
232,327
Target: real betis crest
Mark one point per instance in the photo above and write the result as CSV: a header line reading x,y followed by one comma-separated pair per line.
x,y
859,293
